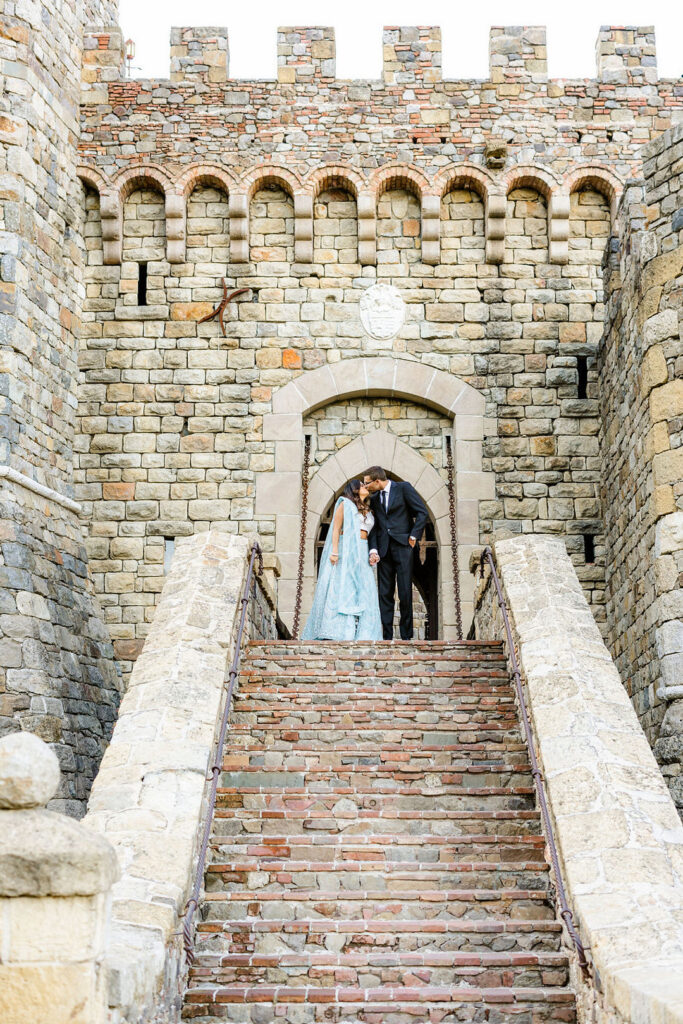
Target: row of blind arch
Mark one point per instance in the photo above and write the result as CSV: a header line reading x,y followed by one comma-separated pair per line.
x,y
366,190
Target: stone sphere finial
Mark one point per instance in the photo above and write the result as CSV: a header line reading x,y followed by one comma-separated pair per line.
x,y
29,772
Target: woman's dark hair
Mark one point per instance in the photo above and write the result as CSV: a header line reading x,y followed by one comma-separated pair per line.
x,y
352,492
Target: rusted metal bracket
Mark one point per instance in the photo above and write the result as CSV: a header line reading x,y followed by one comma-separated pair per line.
x,y
222,306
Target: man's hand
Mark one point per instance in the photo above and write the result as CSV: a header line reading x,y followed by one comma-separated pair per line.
x,y
374,558
412,541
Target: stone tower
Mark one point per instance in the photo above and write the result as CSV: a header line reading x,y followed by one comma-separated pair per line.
x,y
57,676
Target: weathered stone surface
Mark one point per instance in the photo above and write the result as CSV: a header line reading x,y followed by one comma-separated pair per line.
x,y
618,833
147,798
47,854
29,772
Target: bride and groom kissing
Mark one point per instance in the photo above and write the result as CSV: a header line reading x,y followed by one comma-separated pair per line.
x,y
376,521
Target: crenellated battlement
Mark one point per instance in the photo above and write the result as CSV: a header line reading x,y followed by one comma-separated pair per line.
x,y
412,116
411,55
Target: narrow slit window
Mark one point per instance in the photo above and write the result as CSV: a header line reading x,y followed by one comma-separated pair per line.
x,y
582,370
142,284
169,548
589,548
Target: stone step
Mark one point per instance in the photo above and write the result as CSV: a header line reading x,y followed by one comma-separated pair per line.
x,y
377,822
393,757
366,671
376,855
362,935
530,904
327,970
425,701
371,676
398,763
337,879
393,849
392,718
388,1004
343,802
414,650
429,736
484,674
362,778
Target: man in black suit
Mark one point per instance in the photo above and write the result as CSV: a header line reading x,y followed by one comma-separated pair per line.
x,y
400,519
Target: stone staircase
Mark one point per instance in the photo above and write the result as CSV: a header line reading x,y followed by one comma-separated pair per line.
x,y
376,853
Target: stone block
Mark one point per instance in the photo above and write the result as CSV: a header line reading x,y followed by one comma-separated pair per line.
x,y
666,401
654,369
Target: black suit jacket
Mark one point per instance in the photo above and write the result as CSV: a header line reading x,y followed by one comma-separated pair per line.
x,y
406,517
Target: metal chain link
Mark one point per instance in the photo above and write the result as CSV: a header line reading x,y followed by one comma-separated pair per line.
x,y
454,534
302,536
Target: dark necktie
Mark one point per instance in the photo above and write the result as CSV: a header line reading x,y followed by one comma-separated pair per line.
x,y
384,501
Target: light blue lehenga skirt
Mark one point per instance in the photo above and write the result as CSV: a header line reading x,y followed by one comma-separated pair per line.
x,y
346,604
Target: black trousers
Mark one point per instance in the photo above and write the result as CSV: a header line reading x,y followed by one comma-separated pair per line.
x,y
396,567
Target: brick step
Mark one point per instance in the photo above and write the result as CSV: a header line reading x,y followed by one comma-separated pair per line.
x,y
376,822
367,702
485,674
292,716
368,778
345,803
388,1004
413,649
398,763
244,743
367,970
423,736
397,760
367,670
378,676
333,880
406,850
363,935
427,904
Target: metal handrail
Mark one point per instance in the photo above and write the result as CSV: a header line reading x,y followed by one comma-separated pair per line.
x,y
565,912
193,902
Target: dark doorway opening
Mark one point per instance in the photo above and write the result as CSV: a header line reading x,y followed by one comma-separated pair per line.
x,y
425,574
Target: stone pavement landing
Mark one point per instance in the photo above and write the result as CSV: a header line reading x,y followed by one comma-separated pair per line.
x,y
376,853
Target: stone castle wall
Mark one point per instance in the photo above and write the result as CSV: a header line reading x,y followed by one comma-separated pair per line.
x,y
308,190
487,204
57,674
641,371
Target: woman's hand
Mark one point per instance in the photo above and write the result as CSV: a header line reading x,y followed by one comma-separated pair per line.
x,y
334,558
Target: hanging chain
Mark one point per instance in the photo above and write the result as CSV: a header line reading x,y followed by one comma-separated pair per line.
x,y
302,536
454,534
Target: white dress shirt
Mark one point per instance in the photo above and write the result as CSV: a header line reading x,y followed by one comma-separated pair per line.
x,y
386,490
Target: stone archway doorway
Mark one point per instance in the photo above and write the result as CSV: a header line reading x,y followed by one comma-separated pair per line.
x,y
278,491
426,611
401,462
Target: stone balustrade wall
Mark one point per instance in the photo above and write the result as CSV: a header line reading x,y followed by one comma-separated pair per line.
x,y
55,897
149,798
618,834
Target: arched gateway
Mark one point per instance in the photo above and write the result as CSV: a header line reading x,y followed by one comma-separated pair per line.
x,y
278,492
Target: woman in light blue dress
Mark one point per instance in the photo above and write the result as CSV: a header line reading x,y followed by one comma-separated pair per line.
x,y
346,605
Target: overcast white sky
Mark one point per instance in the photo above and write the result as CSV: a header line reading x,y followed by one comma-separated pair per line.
x,y
572,31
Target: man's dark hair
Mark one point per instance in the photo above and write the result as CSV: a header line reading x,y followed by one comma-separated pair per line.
x,y
376,473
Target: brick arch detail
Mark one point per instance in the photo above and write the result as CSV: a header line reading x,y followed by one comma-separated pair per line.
x,y
599,178
335,176
400,176
206,174
278,492
464,176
